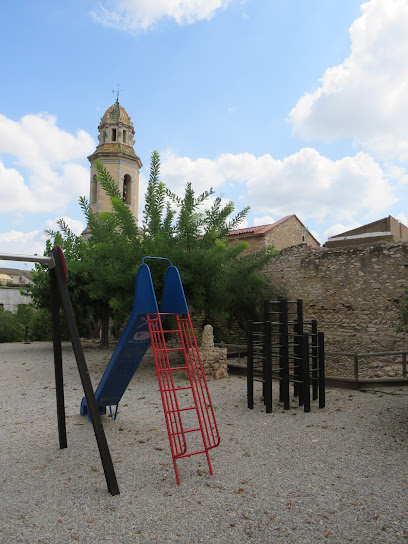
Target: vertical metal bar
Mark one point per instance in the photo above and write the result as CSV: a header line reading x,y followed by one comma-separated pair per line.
x,y
315,371
266,310
301,365
298,329
267,363
250,364
356,367
284,355
404,364
322,379
84,375
306,381
56,341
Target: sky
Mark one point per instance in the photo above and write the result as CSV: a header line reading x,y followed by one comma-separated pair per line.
x,y
286,106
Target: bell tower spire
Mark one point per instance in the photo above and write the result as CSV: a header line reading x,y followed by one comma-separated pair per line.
x,y
116,153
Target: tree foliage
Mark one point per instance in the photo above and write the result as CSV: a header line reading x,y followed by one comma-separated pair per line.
x,y
219,281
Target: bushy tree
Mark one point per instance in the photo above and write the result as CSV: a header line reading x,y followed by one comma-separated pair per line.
x,y
11,330
219,282
74,249
191,231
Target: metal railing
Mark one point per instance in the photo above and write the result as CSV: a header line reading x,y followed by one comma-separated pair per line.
x,y
357,356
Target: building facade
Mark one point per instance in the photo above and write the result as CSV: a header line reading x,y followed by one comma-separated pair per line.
x,y
10,295
387,229
288,231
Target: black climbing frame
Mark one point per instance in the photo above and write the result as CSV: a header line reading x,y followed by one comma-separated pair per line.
x,y
285,347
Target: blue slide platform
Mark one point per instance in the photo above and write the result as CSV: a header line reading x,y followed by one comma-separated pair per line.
x,y
135,338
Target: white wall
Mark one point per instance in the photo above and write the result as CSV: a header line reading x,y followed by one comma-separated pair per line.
x,y
10,298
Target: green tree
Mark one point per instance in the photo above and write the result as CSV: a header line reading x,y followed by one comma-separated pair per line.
x,y
74,249
112,256
219,282
11,330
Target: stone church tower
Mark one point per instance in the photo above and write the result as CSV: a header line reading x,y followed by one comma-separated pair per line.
x,y
116,153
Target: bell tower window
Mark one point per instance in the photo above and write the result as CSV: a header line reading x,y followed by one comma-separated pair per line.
x,y
126,195
124,136
114,135
94,189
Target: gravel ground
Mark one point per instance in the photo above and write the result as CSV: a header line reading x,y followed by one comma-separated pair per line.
x,y
335,475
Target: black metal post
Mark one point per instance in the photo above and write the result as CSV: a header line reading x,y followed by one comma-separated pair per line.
x,y
56,340
84,374
266,310
322,380
284,354
267,367
306,381
250,364
298,329
315,371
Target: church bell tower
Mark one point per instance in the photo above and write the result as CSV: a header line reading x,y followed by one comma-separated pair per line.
x,y
116,153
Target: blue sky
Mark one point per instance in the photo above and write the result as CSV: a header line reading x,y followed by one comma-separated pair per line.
x,y
286,106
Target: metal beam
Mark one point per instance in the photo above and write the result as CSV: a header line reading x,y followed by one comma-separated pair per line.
x,y
28,258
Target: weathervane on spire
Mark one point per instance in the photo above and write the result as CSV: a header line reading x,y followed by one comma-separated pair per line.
x,y
117,93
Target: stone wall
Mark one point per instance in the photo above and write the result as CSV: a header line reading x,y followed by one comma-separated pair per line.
x,y
354,294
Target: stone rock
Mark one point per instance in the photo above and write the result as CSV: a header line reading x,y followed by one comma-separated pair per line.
x,y
214,360
207,342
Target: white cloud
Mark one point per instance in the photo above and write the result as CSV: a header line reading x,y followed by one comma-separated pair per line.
x,y
402,218
74,224
308,184
22,243
177,171
264,220
142,14
305,183
338,228
33,242
50,159
365,97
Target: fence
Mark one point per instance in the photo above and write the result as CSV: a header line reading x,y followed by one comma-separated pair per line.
x,y
357,356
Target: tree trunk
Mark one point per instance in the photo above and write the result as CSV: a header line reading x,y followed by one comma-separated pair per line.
x,y
104,343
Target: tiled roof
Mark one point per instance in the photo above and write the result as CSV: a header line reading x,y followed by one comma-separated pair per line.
x,y
116,113
116,147
260,229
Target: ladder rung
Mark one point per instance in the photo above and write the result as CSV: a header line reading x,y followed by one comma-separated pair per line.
x,y
171,368
187,431
177,388
176,330
181,410
189,454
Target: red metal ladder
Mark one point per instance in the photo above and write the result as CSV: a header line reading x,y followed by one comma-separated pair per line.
x,y
197,429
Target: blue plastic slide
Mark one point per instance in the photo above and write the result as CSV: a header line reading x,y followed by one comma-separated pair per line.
x,y
134,341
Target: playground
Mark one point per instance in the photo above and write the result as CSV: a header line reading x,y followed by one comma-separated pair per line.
x,y
333,475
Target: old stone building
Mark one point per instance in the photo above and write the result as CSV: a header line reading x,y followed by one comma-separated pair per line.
x,y
286,232
116,153
387,229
